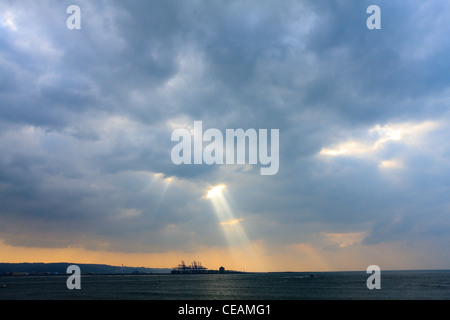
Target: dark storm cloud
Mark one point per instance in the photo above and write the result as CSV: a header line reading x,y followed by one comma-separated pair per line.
x,y
87,117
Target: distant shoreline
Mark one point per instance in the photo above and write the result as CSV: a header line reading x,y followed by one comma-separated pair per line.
x,y
39,268
60,269
83,274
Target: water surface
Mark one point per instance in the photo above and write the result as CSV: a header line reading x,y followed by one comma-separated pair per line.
x,y
404,285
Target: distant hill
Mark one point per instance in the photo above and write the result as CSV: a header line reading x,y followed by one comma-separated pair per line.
x,y
61,268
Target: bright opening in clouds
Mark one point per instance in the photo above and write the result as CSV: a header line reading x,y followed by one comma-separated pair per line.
x,y
215,191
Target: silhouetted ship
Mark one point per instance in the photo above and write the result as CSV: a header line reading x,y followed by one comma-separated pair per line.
x,y
197,268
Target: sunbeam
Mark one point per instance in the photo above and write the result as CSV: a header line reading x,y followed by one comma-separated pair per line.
x,y
162,183
166,182
239,245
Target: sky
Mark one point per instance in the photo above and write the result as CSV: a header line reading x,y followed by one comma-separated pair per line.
x,y
86,117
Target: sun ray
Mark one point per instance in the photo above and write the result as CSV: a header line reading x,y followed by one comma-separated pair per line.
x,y
232,227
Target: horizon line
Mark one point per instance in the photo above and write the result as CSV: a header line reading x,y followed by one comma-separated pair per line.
x,y
279,271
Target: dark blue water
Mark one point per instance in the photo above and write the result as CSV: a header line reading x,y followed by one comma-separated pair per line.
x,y
395,285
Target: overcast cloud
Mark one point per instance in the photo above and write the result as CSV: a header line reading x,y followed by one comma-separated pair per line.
x,y
86,118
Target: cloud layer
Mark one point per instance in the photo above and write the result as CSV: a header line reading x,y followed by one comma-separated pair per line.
x,y
86,118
